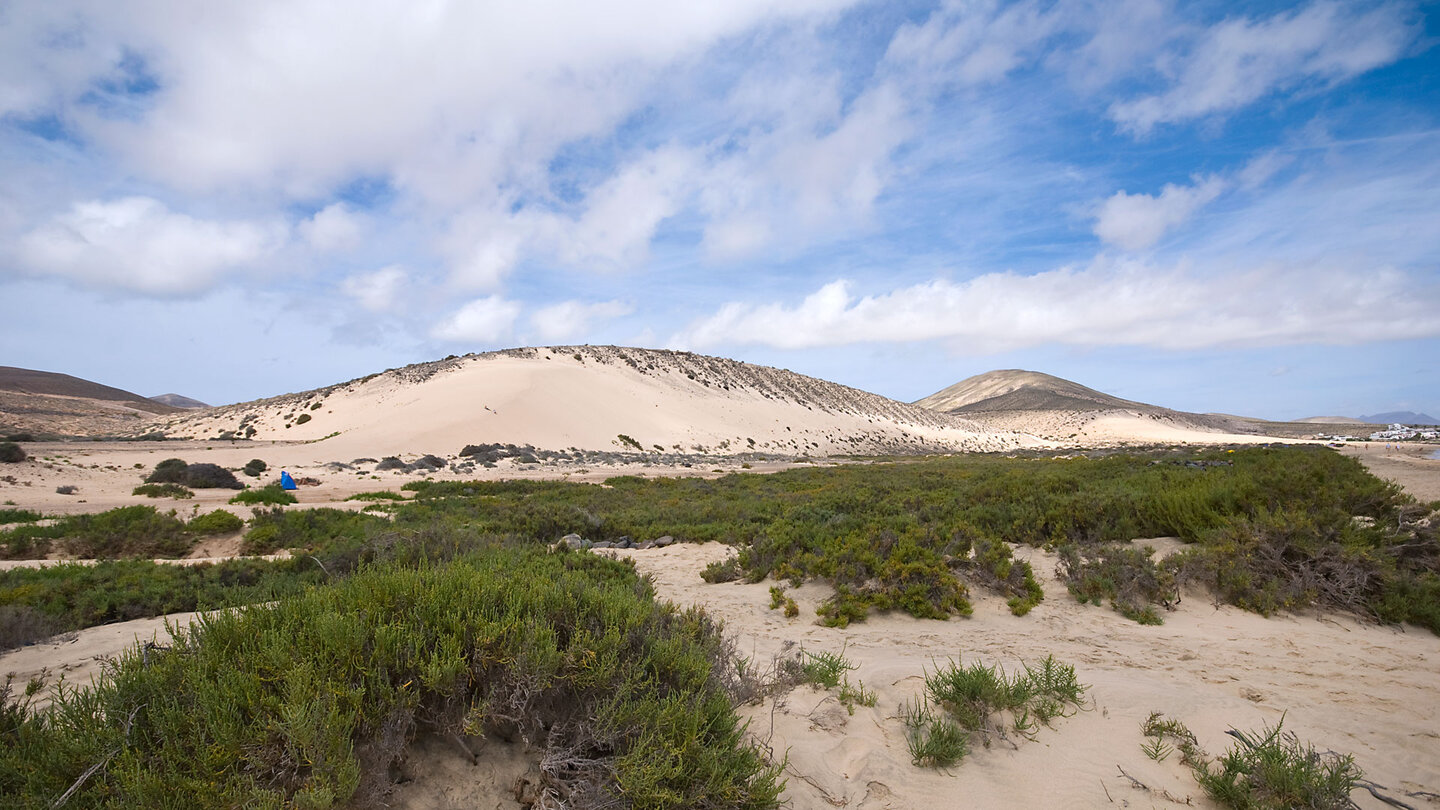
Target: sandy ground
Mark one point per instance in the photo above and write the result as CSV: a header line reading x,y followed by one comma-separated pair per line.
x,y
1413,466
1367,690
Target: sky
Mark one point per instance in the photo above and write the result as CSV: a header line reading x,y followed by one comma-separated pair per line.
x,y
1216,207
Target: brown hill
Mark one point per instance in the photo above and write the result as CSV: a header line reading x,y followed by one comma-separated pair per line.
x,y
46,403
1018,390
178,401
1060,410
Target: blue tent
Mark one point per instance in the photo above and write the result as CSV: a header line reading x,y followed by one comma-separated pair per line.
x,y
286,482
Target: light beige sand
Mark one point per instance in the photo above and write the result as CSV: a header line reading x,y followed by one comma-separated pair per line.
x,y
1411,465
587,397
77,658
1367,690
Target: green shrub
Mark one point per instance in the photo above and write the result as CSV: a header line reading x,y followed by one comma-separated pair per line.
x,y
985,702
1125,575
302,419
312,530
934,741
216,522
382,495
254,467
28,541
307,703
1273,770
127,531
270,494
169,471
726,570
11,453
8,515
162,491
211,476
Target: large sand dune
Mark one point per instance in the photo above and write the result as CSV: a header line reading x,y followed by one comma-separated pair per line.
x,y
589,398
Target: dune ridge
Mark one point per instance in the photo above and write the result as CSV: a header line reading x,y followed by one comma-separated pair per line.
x,y
594,398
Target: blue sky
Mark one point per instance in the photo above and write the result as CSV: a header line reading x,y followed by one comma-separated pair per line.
x,y
1210,206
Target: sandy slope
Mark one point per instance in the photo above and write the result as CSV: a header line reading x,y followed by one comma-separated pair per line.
x,y
587,397
1371,691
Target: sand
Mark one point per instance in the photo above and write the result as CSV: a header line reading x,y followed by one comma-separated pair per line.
x,y
1363,689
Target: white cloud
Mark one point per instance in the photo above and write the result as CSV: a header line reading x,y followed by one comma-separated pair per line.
x,y
1105,304
1138,221
333,228
138,244
1240,60
621,215
449,99
485,320
378,291
570,320
977,42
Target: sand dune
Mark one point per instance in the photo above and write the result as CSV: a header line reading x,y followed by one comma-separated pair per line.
x,y
588,398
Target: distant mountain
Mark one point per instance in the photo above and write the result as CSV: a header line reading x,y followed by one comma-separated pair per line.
x,y
1061,410
1017,390
47,403
1401,418
1332,420
177,401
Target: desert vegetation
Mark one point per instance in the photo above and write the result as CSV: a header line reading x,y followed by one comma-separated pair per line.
x,y
965,704
1269,769
541,638
308,702
201,475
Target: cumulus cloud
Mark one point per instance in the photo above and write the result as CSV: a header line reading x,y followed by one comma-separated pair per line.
x,y
1241,60
569,320
333,228
484,320
378,291
139,244
621,215
1138,221
1104,304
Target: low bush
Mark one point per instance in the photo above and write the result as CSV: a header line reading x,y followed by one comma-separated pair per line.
x,y
8,515
211,476
169,471
12,453
1268,770
984,702
62,598
382,495
309,703
312,530
26,542
162,491
21,625
216,522
1127,576
270,494
254,467
127,531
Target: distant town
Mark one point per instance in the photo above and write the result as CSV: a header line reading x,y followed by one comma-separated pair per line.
x,y
1394,433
